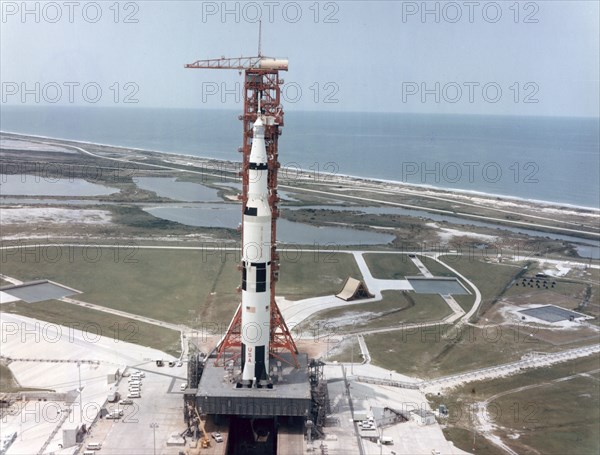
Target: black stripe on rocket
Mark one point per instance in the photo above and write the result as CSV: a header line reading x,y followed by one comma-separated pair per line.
x,y
259,270
258,166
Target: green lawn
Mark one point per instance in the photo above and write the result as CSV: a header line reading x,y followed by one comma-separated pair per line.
x,y
100,323
440,350
347,351
188,287
463,439
491,279
557,418
314,273
390,266
173,286
551,417
438,269
399,266
395,308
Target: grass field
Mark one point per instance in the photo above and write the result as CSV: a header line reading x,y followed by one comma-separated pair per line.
x,y
562,288
188,287
463,439
173,286
560,417
438,269
97,322
395,308
347,351
491,279
441,350
315,273
390,266
555,414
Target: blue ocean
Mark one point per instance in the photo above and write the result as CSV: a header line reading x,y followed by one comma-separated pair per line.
x,y
538,158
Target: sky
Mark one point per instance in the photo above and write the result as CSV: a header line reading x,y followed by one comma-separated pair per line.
x,y
481,57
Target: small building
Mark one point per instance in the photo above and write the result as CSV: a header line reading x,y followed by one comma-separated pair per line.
x,y
113,377
360,414
385,416
72,433
354,290
422,416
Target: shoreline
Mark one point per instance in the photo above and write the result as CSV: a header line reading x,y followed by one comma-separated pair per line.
x,y
410,186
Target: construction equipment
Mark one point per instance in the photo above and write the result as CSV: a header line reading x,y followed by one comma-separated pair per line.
x,y
205,441
196,418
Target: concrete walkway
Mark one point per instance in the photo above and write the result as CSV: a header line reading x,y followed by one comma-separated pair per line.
x,y
424,271
364,349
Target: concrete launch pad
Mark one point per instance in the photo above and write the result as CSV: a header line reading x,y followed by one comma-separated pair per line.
x,y
289,397
38,291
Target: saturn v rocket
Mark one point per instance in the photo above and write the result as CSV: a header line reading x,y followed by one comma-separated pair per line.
x,y
256,266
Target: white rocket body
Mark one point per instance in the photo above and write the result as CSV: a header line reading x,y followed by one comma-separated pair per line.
x,y
256,262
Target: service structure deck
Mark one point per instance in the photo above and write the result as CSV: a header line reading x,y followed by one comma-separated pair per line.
x,y
289,397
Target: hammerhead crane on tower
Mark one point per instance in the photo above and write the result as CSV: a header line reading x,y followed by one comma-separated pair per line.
x,y
260,62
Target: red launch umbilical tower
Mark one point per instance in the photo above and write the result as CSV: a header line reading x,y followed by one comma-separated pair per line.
x,y
262,96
